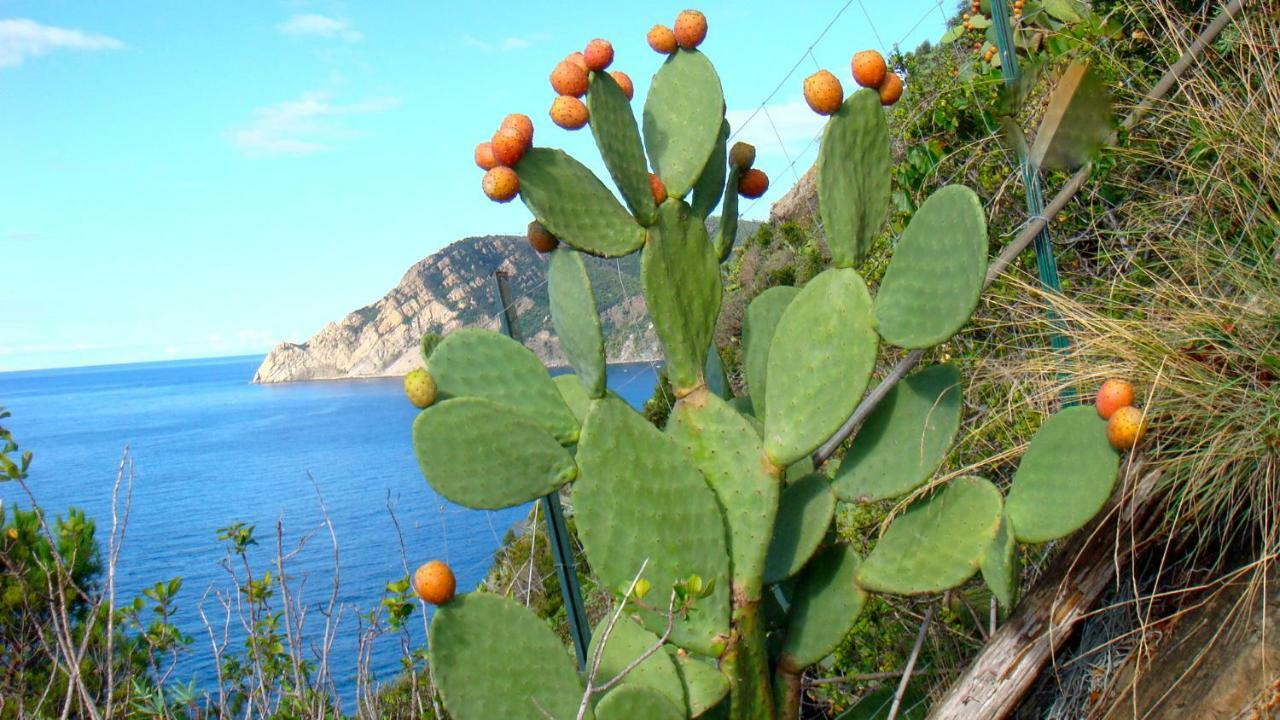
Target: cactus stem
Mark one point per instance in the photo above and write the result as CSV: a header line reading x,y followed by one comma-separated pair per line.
x,y
695,395
774,470
746,663
786,693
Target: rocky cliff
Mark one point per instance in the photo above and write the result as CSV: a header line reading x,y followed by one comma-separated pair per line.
x,y
454,288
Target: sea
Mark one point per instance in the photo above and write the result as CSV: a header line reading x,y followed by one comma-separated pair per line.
x,y
209,449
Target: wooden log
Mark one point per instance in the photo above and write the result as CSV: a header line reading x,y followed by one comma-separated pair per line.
x,y
1080,572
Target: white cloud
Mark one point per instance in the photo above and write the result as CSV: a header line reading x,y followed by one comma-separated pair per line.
x,y
304,126
312,25
506,44
21,38
795,121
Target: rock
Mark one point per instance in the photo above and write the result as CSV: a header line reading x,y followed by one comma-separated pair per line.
x,y
800,204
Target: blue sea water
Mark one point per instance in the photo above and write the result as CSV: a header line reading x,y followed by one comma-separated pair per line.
x,y
210,449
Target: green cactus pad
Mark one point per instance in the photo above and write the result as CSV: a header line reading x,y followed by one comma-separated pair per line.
x,y
577,324
853,177
1000,564
639,498
763,314
727,230
704,685
566,197
725,447
682,118
478,453
799,469
804,514
482,649
717,381
935,277
710,185
632,702
681,280
820,360
471,362
618,137
824,605
937,543
905,439
877,704
628,641
743,406
575,396
1064,478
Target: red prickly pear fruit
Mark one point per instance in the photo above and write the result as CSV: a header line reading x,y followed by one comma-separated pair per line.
x,y
508,146
434,582
420,387
523,124
624,82
823,92
742,156
541,239
569,79
578,59
569,112
868,68
484,156
501,184
1113,395
1126,428
662,39
691,29
890,89
753,184
659,190
598,54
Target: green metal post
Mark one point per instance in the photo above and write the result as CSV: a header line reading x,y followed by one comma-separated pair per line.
x,y
557,529
1046,264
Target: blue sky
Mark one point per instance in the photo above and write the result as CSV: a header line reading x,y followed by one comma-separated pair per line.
x,y
190,179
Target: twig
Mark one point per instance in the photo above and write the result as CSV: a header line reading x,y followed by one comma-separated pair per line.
x,y
911,662
865,677
608,629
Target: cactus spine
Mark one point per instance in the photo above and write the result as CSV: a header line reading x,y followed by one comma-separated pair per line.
x,y
693,527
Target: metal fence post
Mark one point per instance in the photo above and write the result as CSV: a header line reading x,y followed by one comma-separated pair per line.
x,y
557,529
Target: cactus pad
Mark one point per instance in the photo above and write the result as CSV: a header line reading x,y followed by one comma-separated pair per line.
x,y
727,230
704,685
627,642
824,605
935,277
482,647
726,448
1000,564
638,498
681,281
710,185
804,514
471,362
820,360
618,137
577,324
763,314
682,118
853,177
1064,478
937,543
717,381
631,702
905,439
564,195
479,454
574,395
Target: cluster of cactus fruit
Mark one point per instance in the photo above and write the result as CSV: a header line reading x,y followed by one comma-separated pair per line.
x,y
716,534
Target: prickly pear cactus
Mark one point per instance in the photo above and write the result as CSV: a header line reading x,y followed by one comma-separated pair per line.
x,y
695,527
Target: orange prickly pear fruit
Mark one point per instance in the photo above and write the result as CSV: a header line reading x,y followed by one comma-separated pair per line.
x,y
569,112
508,146
1126,428
598,54
521,123
1113,395
868,68
420,387
691,29
578,59
890,89
484,156
659,190
501,184
662,39
569,79
753,184
434,582
624,82
541,238
742,156
823,92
